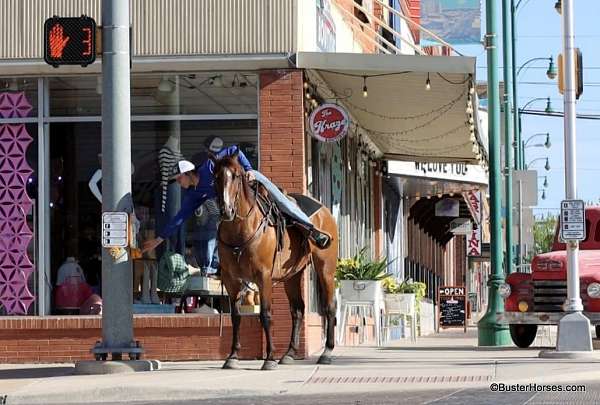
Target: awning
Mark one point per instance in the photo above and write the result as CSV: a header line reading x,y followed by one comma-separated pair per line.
x,y
402,118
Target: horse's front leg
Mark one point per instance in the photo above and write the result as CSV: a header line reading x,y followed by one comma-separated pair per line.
x,y
266,296
233,290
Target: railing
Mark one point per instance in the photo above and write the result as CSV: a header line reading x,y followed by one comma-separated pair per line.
x,y
375,38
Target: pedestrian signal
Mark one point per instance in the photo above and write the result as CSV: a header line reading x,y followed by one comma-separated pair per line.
x,y
578,74
70,41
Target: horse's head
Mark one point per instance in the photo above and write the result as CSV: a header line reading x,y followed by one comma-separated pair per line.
x,y
230,181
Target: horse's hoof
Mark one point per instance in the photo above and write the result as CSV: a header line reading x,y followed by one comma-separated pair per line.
x,y
231,364
324,360
269,365
286,360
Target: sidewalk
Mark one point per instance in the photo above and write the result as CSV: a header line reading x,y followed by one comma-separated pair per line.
x,y
447,360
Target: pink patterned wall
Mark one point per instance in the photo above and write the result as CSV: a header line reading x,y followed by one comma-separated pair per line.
x,y
15,235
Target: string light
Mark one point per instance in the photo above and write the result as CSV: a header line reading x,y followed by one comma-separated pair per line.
x,y
365,92
305,84
307,94
428,83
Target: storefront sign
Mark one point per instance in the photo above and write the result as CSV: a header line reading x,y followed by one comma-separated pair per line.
x,y
325,27
329,123
114,229
474,243
453,308
473,200
460,172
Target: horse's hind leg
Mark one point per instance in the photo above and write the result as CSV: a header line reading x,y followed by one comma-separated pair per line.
x,y
294,294
266,297
325,262
233,290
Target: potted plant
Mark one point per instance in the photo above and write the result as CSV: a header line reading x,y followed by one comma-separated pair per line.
x,y
360,278
402,297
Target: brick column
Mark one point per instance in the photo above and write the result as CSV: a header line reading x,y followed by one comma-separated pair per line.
x,y
282,159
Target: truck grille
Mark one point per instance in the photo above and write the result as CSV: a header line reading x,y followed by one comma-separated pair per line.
x,y
549,295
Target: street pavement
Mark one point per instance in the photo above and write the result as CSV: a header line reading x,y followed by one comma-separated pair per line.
x,y
444,368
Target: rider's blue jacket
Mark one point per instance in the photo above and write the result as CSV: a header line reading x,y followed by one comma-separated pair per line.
x,y
195,196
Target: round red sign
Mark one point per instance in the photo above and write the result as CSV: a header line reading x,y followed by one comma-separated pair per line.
x,y
329,123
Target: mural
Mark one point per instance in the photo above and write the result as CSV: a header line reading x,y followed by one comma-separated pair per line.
x,y
455,21
15,235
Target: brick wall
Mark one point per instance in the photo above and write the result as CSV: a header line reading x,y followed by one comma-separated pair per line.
x,y
55,339
282,159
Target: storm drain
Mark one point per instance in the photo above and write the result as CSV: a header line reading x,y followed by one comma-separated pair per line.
x,y
401,380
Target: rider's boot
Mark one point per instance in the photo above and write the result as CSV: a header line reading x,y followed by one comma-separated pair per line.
x,y
320,239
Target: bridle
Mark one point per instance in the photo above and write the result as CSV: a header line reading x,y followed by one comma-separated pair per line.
x,y
240,183
239,248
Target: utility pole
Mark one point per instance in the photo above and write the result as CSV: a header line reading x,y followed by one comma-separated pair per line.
x,y
508,131
490,332
574,339
516,116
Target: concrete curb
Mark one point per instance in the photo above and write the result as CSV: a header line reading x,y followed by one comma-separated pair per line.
x,y
90,367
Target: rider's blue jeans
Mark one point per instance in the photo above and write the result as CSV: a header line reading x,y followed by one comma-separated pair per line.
x,y
284,203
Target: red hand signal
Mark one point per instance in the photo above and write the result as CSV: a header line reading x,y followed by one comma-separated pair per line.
x,y
57,42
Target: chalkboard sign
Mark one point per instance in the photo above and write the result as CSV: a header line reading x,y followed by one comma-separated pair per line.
x,y
452,307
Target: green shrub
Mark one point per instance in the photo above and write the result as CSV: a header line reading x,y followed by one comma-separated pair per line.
x,y
360,267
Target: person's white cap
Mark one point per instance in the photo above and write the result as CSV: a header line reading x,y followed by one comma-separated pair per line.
x,y
214,144
183,166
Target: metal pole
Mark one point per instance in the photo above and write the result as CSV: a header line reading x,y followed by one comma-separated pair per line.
x,y
574,339
520,254
508,132
573,294
516,116
490,332
117,313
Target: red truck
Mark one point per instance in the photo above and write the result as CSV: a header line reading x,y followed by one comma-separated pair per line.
x,y
537,298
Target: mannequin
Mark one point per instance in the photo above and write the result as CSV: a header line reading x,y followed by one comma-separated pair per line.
x,y
168,155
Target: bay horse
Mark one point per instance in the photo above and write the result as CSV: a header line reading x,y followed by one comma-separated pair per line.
x,y
248,252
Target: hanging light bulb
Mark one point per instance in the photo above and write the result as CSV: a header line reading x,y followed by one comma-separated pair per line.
x,y
472,137
365,91
428,83
469,109
475,148
305,85
472,90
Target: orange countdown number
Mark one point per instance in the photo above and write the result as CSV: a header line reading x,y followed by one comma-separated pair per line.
x,y
87,41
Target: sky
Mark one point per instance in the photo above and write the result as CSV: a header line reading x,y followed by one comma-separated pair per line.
x,y
539,35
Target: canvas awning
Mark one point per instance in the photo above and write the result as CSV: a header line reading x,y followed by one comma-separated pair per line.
x,y
402,118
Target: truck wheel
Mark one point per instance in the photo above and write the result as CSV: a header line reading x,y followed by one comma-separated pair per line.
x,y
523,335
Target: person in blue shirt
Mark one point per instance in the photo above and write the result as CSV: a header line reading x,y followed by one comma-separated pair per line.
x,y
199,185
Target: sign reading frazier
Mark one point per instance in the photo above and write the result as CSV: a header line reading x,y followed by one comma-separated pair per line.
x,y
115,229
452,307
329,123
572,220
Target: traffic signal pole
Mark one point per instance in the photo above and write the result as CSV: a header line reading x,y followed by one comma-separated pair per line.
x,y
490,332
574,339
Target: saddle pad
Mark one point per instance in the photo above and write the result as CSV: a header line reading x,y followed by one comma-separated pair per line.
x,y
307,204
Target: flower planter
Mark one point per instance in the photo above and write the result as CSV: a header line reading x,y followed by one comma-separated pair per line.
x,y
361,290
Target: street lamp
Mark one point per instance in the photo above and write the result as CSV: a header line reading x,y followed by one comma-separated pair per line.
x,y
543,193
546,166
519,162
546,144
551,72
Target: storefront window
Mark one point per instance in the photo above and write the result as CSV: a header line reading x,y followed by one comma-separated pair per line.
x,y
76,184
18,214
185,94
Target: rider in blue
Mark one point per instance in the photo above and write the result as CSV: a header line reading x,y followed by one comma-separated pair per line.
x,y
199,185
